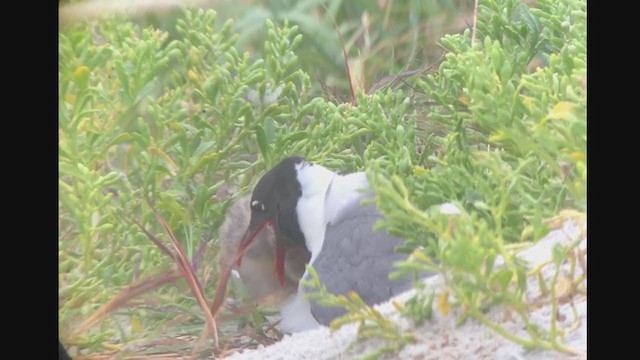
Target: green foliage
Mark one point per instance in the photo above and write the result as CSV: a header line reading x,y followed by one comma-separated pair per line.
x,y
380,37
419,308
181,119
142,116
514,151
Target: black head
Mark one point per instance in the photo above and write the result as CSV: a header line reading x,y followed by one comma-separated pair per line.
x,y
273,203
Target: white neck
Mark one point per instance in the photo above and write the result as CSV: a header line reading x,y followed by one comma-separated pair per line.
x,y
324,194
314,181
344,190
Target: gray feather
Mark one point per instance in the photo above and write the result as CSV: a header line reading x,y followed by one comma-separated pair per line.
x,y
356,258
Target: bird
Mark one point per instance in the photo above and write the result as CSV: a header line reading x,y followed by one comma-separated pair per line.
x,y
306,204
256,269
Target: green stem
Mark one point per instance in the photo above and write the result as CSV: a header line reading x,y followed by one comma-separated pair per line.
x,y
554,306
518,340
500,330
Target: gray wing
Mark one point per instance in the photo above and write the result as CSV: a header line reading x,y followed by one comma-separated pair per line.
x,y
356,258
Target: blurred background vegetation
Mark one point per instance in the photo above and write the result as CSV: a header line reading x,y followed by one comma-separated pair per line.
x,y
381,37
188,108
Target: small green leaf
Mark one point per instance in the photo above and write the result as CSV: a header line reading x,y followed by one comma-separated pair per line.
x,y
123,78
170,204
296,136
81,77
502,278
558,255
261,137
270,130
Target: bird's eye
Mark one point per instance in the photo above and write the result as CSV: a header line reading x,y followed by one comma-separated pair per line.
x,y
257,205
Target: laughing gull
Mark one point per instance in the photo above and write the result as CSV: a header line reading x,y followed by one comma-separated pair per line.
x,y
256,267
307,204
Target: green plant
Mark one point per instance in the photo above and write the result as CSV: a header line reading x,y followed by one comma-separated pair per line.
x,y
180,120
513,154
141,116
380,38
510,150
